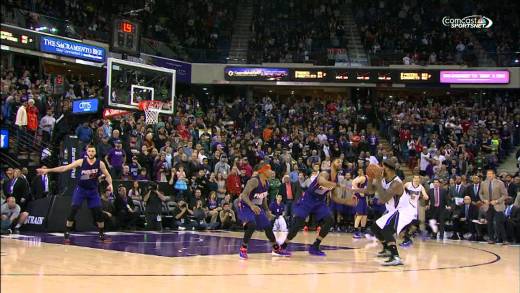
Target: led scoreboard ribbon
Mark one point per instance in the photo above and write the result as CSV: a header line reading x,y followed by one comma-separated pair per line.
x,y
365,75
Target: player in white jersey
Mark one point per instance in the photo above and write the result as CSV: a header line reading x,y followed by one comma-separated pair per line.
x,y
408,208
389,189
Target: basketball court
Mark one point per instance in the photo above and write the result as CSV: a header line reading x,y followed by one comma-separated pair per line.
x,y
208,262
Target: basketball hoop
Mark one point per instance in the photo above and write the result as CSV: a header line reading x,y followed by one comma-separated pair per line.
x,y
151,110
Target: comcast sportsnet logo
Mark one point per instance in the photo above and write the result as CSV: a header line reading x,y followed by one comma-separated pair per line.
x,y
472,21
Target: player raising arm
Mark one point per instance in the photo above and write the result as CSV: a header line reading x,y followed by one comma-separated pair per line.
x,y
87,189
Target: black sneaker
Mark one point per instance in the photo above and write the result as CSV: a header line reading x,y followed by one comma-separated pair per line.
x,y
103,238
384,253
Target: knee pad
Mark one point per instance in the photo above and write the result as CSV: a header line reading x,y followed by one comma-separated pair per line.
x,y
73,211
97,213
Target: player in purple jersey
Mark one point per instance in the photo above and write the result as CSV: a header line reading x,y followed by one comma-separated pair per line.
x,y
314,201
87,189
253,210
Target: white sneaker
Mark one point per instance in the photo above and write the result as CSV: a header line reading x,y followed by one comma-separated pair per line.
x,y
182,228
433,225
393,261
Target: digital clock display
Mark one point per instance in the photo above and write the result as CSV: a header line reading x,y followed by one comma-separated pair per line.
x,y
20,38
127,27
126,36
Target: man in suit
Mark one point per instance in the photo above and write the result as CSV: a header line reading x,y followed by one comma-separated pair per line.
x,y
513,187
438,208
125,210
19,188
456,193
40,186
9,176
291,192
493,193
473,189
462,221
512,214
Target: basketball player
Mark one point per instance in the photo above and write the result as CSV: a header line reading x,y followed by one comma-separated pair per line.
x,y
413,191
360,218
253,209
389,188
87,189
314,202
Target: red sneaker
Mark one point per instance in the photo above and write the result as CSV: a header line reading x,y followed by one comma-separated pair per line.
x,y
243,253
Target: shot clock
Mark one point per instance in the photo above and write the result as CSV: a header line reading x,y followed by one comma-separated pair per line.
x,y
126,36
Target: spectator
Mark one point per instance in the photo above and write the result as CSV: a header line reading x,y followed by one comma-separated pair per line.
x,y
233,184
221,185
227,217
134,167
108,211
47,125
512,214
32,118
84,133
154,200
437,208
181,185
19,188
213,208
274,187
277,209
200,214
135,192
182,215
290,192
222,167
125,210
7,181
473,190
40,186
463,220
21,124
493,194
115,158
12,216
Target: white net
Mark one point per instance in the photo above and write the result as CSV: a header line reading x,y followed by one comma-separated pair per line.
x,y
151,111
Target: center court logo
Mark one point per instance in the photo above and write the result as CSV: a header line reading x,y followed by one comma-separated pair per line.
x,y
472,21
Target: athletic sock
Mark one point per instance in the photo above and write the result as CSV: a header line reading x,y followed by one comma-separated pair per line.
x,y
393,250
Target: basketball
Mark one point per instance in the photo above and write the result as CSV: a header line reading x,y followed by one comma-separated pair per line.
x,y
373,170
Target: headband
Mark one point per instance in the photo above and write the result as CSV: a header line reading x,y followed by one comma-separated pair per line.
x,y
265,168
